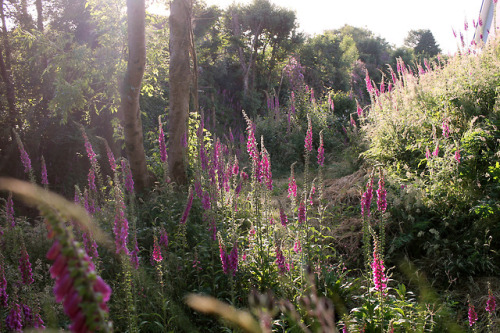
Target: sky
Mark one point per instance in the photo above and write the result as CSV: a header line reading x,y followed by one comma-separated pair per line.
x,y
389,19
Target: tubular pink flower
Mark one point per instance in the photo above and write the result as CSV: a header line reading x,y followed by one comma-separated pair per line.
x,y
491,303
223,258
63,287
14,319
378,271
266,170
88,203
233,259
127,174
88,147
102,287
472,315
25,268
25,159
156,251
382,87
283,217
188,207
82,292
38,322
9,211
91,179
111,158
292,188
302,212
59,266
297,246
457,155
366,199
90,246
359,110
251,142
283,267
120,227
311,193
243,175
4,297
368,82
381,195
164,238
236,168
435,153
427,153
446,129
205,201
197,189
309,136
45,180
27,315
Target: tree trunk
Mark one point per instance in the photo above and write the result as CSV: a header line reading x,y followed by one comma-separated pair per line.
x,y
39,16
5,40
6,74
45,88
130,93
179,73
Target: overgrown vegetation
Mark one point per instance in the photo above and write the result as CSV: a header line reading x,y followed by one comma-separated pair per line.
x,y
349,196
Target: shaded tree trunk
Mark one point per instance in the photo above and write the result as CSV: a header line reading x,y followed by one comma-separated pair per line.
x,y
130,93
44,103
180,77
5,66
246,68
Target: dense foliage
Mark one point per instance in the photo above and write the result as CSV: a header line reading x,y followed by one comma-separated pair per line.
x,y
349,195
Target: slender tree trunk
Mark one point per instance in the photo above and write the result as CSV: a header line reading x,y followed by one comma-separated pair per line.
x,y
9,89
192,50
130,93
5,72
5,39
39,16
44,103
246,68
179,72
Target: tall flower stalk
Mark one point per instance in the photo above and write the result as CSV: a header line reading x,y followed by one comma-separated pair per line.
x,y
9,211
491,305
25,267
78,287
120,227
45,179
366,200
379,277
25,159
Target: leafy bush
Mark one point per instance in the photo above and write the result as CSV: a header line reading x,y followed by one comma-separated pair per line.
x,y
437,133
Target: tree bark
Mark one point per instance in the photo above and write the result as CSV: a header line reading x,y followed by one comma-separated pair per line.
x,y
5,65
180,77
246,68
45,88
130,93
